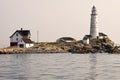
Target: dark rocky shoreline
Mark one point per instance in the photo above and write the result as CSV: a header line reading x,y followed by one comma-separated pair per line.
x,y
104,45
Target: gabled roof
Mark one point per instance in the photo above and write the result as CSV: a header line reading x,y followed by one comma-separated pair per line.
x,y
26,40
22,32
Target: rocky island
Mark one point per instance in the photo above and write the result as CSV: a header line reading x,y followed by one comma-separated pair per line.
x,y
95,42
104,45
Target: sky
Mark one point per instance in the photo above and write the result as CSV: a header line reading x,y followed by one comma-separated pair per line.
x,y
58,18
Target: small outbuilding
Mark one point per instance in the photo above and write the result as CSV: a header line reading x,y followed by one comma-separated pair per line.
x,y
25,43
102,35
86,39
66,39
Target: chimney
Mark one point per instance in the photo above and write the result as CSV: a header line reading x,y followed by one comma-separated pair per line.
x,y
21,29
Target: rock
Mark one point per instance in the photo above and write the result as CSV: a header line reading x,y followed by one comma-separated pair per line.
x,y
95,46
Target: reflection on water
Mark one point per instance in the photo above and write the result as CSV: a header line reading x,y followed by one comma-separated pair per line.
x,y
15,68
93,62
59,67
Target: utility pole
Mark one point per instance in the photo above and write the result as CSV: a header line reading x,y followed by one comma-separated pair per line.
x,y
37,36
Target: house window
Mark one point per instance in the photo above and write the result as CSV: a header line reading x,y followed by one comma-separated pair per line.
x,y
17,34
16,39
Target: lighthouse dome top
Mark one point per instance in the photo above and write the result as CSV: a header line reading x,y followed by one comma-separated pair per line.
x,y
94,10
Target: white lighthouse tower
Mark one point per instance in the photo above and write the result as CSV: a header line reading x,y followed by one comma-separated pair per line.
x,y
93,27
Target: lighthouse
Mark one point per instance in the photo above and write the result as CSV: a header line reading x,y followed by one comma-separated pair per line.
x,y
93,25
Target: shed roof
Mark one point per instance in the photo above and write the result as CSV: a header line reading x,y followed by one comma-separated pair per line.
x,y
26,40
102,34
86,37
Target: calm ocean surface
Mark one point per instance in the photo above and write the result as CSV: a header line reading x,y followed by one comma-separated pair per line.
x,y
60,67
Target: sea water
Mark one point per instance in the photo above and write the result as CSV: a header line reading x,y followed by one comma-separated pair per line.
x,y
64,66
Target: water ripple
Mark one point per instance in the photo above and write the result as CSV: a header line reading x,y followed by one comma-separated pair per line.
x,y
60,67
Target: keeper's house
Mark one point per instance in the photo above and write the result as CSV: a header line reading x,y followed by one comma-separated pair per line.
x,y
21,39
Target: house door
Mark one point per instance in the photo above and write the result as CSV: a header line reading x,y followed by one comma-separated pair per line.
x,y
21,45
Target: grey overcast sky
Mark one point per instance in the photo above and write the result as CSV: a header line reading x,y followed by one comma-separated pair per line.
x,y
57,18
